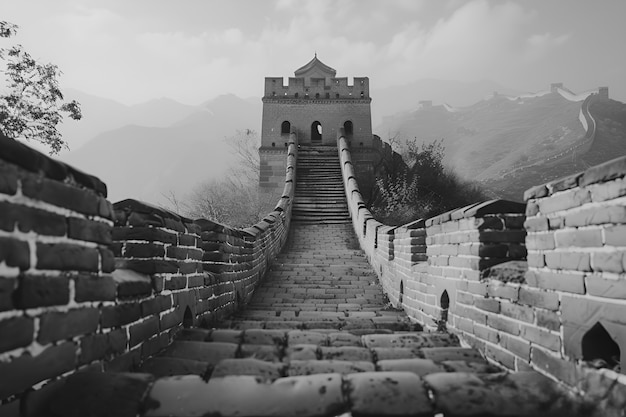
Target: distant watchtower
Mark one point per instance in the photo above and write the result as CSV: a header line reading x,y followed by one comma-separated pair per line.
x,y
315,105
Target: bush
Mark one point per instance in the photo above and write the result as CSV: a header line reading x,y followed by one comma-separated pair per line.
x,y
420,186
236,199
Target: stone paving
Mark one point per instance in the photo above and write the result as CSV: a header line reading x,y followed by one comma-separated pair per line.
x,y
317,339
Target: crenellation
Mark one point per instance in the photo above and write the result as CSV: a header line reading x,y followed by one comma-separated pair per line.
x,y
316,88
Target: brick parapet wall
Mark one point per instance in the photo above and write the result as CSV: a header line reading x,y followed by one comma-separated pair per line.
x,y
55,269
89,285
520,314
577,255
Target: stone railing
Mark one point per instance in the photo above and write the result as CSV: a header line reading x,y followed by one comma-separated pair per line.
x,y
466,271
89,285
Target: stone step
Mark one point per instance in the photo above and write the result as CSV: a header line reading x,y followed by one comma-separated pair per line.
x,y
256,388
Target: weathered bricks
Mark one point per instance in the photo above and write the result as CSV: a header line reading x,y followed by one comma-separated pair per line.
x,y
67,257
41,291
576,246
17,332
59,254
15,252
30,219
62,195
24,371
102,346
113,316
56,326
94,288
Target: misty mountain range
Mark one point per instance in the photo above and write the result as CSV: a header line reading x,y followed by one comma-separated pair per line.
x,y
150,150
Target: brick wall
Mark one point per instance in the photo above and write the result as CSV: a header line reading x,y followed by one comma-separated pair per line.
x,y
577,255
273,163
529,285
86,284
302,113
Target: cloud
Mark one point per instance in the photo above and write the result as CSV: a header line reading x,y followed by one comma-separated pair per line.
x,y
108,51
476,41
547,40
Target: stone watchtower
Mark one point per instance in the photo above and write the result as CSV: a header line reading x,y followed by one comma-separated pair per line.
x,y
315,105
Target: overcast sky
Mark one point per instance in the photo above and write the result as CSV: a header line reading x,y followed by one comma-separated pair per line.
x,y
194,50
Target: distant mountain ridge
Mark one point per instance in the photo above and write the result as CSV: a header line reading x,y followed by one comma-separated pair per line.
x,y
402,98
512,142
149,150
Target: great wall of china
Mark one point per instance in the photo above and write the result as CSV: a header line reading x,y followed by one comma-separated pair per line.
x,y
125,309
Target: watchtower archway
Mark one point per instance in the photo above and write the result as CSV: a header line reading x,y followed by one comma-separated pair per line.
x,y
316,132
348,128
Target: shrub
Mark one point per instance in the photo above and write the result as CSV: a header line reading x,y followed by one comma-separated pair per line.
x,y
420,186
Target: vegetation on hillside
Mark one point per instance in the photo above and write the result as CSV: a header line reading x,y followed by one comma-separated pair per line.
x,y
31,102
609,143
235,199
418,185
498,138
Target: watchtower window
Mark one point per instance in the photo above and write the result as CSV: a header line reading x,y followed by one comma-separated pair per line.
x,y
296,95
362,82
347,128
306,95
362,94
273,93
327,95
401,292
337,95
599,346
317,95
285,128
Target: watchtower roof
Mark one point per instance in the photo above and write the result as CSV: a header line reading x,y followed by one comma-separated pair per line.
x,y
315,67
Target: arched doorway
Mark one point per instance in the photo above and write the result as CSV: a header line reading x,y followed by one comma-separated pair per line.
x,y
316,132
348,128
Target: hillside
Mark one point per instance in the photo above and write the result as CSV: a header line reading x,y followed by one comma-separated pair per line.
x,y
609,142
512,144
101,115
147,162
396,99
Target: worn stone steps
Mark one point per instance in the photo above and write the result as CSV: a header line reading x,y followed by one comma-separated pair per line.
x,y
319,195
318,338
323,372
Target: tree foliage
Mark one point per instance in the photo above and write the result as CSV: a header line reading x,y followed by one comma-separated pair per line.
x,y
419,185
235,199
31,103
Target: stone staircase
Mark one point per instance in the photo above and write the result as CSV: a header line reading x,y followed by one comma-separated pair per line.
x,y
317,339
319,196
